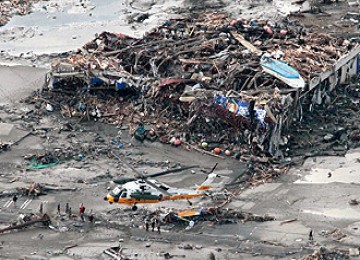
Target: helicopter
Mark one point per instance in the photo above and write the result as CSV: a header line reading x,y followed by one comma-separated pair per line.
x,y
153,191
147,190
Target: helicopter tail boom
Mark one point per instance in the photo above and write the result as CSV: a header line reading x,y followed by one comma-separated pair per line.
x,y
206,185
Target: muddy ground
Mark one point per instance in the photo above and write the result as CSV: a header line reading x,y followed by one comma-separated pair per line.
x,y
305,195
314,196
61,26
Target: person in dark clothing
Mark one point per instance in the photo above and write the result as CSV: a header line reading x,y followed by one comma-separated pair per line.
x,y
41,209
91,218
153,224
158,225
147,226
311,237
15,198
58,209
251,109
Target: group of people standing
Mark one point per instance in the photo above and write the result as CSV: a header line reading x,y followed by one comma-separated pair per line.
x,y
154,222
68,210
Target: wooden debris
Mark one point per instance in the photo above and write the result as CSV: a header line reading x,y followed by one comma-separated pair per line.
x,y
288,221
45,219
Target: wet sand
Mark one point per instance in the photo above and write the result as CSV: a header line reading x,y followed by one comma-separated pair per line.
x,y
67,26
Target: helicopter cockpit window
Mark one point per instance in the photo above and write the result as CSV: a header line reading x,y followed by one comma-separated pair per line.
x,y
124,193
116,191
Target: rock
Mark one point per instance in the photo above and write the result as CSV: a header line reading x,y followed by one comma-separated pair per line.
x,y
186,246
211,256
49,108
37,105
328,137
167,256
354,251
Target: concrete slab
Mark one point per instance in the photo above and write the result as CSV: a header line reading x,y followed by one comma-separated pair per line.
x,y
9,133
339,213
5,129
236,204
60,258
328,170
289,234
267,187
18,82
248,206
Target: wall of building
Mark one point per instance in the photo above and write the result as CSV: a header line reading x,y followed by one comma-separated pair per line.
x,y
341,72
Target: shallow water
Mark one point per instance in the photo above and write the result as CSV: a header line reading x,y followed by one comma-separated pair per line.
x,y
68,14
52,29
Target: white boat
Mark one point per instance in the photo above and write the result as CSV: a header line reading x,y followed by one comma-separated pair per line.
x,y
282,71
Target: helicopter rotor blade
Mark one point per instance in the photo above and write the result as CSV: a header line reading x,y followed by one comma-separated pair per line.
x,y
124,180
172,171
139,175
213,168
142,176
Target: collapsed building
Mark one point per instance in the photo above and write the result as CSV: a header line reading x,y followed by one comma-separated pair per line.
x,y
235,84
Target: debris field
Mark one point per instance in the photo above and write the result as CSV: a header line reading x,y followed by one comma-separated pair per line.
x,y
198,84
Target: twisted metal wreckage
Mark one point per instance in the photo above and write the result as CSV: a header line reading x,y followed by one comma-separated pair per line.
x,y
238,84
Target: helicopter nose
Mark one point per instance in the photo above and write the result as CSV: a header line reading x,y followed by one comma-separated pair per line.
x,y
105,198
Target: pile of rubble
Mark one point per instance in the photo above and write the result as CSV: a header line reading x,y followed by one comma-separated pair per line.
x,y
197,81
14,7
333,134
226,215
172,217
323,253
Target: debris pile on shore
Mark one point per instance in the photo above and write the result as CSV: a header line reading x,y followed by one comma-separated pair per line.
x,y
26,220
199,81
326,254
176,218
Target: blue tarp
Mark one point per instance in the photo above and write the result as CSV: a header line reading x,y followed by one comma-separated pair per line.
x,y
95,81
120,84
240,108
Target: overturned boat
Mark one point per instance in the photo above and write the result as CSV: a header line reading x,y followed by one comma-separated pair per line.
x,y
282,71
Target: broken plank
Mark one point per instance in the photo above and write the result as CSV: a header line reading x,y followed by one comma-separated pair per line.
x,y
245,43
204,152
288,221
